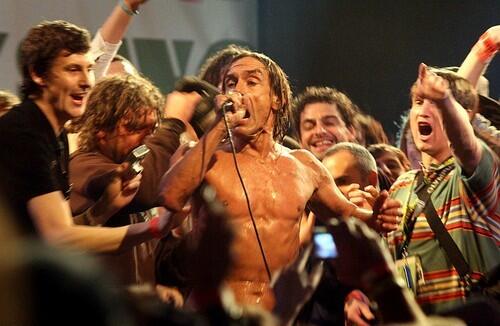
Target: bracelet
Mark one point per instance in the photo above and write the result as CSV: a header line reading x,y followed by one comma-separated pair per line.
x,y
129,11
153,228
485,48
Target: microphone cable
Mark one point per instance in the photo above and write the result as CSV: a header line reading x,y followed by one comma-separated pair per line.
x,y
233,151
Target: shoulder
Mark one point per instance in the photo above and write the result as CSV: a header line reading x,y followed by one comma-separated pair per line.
x,y
310,164
25,121
404,181
303,156
90,160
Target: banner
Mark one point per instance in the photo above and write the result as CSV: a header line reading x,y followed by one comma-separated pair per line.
x,y
168,39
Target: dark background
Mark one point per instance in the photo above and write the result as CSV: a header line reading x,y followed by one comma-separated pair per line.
x,y
371,49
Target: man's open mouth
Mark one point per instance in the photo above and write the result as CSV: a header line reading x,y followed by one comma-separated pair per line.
x,y
78,98
424,128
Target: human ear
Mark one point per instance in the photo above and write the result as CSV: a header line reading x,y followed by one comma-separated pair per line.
x,y
39,80
276,103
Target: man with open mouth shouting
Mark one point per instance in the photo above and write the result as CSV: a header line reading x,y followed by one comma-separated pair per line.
x,y
463,179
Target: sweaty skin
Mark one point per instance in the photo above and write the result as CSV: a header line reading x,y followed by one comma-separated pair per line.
x,y
279,183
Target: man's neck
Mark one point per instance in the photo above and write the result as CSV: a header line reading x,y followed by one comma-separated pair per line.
x,y
438,158
261,146
49,111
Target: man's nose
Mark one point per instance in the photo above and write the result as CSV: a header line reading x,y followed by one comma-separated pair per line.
x,y
319,128
87,79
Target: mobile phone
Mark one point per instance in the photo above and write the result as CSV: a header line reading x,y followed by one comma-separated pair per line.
x,y
324,245
134,159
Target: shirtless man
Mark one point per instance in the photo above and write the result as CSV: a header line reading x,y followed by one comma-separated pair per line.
x,y
279,182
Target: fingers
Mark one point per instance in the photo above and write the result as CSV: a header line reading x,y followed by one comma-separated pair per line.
x,y
365,311
379,201
372,191
352,187
358,312
181,105
432,86
422,71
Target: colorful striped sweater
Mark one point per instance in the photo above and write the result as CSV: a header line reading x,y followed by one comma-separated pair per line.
x,y
469,208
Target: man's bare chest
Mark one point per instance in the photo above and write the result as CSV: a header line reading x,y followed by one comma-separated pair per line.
x,y
275,189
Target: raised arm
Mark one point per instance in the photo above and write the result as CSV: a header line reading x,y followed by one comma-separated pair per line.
x,y
184,177
480,56
466,147
108,38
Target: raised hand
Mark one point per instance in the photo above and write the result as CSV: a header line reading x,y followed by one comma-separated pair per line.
x,y
181,105
135,4
431,86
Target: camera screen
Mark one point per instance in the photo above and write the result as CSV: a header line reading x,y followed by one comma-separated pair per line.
x,y
324,246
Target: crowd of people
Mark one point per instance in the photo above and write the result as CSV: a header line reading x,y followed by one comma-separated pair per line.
x,y
201,205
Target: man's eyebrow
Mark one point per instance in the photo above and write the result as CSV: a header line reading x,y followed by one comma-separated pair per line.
x,y
257,71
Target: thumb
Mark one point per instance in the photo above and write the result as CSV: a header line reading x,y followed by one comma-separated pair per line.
x,y
121,169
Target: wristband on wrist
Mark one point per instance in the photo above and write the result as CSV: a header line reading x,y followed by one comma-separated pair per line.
x,y
485,48
153,228
354,295
129,11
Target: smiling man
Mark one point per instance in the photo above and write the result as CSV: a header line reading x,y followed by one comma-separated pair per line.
x,y
57,76
324,117
278,182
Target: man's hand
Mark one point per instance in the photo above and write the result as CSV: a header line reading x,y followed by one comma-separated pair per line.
x,y
357,309
431,86
181,105
362,198
134,4
235,106
170,295
386,213
169,221
494,34
118,194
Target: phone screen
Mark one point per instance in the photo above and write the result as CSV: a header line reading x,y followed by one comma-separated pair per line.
x,y
324,246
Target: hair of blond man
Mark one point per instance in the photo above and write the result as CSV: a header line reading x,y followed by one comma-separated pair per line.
x,y
116,99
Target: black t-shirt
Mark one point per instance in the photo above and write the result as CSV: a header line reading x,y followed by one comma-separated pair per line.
x,y
33,160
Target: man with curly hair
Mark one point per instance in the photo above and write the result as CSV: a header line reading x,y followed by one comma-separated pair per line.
x,y
123,112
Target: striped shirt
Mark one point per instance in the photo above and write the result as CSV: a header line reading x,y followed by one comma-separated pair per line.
x,y
468,207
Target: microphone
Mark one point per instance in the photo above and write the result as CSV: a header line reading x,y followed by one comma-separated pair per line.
x,y
228,106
